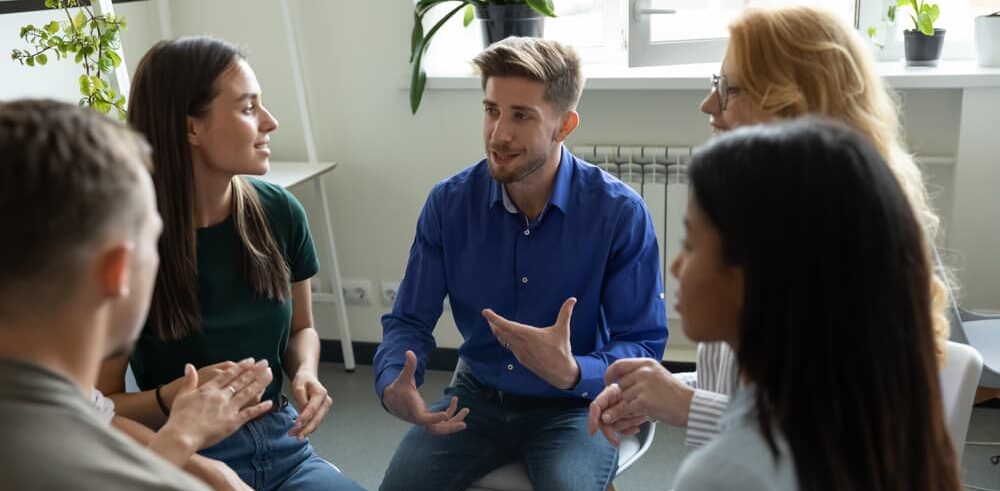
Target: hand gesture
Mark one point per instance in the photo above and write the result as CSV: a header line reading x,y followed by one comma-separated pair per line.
x,y
545,351
203,415
403,401
313,401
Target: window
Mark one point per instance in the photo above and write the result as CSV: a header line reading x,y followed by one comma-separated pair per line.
x,y
670,32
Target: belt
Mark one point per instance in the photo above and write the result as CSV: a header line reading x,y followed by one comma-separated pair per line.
x,y
281,402
518,401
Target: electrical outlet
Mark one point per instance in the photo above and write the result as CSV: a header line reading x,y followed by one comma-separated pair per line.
x,y
389,290
357,292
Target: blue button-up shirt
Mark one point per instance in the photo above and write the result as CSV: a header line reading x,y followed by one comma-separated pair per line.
x,y
594,241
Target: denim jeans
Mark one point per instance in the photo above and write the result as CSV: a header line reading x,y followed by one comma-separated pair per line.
x,y
266,458
548,436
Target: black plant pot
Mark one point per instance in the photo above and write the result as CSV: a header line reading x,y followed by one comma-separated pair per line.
x,y
921,49
503,21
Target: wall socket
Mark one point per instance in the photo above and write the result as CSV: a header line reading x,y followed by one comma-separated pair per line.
x,y
357,292
389,290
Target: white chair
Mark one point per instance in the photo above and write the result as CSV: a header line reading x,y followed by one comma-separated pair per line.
x,y
982,332
959,378
513,476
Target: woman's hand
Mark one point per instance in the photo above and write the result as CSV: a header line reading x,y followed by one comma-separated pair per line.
x,y
313,401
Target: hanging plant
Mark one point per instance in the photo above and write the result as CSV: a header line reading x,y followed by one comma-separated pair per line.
x,y
91,40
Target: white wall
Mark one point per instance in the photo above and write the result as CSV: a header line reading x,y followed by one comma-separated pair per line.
x,y
355,55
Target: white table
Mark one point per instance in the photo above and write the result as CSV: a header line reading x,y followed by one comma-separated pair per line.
x,y
290,174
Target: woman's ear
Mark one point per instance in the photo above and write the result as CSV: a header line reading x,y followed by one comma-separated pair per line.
x,y
193,131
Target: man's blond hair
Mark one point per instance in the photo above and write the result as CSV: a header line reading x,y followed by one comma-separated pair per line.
x,y
555,65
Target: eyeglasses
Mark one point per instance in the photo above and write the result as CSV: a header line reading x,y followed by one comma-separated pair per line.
x,y
723,90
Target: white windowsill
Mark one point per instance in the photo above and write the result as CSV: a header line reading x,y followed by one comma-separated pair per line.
x,y
950,74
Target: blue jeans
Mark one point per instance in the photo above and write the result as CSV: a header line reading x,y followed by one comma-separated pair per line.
x,y
548,436
266,458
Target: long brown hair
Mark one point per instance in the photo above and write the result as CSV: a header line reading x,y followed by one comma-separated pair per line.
x,y
793,61
836,330
174,80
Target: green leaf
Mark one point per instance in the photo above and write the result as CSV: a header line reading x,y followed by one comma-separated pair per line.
x,y
80,20
102,106
52,27
115,59
416,37
470,13
872,31
98,83
925,25
30,61
934,11
543,7
417,84
42,59
84,85
50,4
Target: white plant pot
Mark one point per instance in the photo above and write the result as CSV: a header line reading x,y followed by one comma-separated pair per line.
x,y
988,41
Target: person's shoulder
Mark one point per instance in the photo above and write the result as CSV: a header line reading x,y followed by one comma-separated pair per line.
x,y
65,447
468,181
739,458
595,188
595,183
270,194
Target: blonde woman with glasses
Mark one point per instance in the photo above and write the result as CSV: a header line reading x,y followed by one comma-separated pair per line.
x,y
780,64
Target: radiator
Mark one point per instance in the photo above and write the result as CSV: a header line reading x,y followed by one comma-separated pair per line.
x,y
658,174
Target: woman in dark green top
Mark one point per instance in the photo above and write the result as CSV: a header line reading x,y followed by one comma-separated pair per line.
x,y
236,259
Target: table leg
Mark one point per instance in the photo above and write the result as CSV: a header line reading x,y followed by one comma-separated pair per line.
x,y
332,270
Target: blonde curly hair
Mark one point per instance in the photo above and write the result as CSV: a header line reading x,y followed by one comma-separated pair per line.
x,y
794,61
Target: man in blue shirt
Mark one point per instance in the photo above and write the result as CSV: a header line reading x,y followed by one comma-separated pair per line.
x,y
552,271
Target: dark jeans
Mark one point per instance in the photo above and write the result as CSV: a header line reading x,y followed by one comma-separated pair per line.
x,y
549,436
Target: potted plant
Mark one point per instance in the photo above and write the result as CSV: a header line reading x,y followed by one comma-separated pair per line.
x,y
92,41
499,18
923,43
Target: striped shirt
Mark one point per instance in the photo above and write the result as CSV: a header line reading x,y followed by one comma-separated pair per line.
x,y
716,378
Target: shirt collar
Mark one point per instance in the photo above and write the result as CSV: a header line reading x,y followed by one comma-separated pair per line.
x,y
560,189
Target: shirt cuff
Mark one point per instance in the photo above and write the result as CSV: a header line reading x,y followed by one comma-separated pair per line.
x,y
703,419
388,376
591,377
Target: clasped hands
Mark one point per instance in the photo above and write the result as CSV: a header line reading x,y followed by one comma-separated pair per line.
x,y
638,389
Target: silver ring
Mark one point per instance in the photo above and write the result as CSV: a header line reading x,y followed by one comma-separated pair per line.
x,y
506,346
231,388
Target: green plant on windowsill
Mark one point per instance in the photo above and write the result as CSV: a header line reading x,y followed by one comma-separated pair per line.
x,y
420,40
924,16
92,41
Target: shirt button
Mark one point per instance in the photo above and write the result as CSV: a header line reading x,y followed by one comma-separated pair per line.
x,y
527,232
524,280
510,367
585,394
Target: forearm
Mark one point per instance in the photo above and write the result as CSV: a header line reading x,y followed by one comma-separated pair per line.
x,y
142,407
303,352
167,445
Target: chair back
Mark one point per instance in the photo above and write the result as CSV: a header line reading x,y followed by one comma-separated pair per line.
x,y
959,379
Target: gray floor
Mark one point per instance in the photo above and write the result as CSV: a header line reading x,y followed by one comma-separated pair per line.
x,y
360,437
